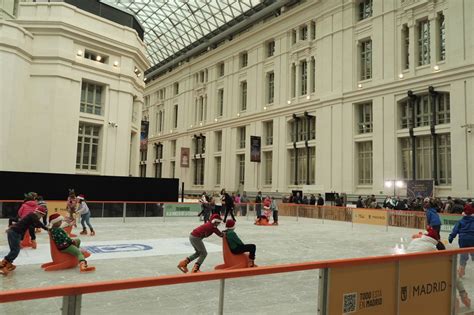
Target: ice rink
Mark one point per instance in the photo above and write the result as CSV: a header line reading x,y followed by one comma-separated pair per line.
x,y
147,247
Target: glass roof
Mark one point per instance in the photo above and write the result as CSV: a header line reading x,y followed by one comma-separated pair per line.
x,y
171,26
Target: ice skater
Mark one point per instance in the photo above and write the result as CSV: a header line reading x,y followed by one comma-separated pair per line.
x,y
71,204
29,206
196,238
465,229
236,245
433,220
15,234
229,206
84,212
65,244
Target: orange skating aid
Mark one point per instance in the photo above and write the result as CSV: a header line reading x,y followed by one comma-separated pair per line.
x,y
26,242
61,260
68,230
263,221
232,261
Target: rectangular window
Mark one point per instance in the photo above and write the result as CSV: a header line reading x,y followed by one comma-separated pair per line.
x,y
302,166
422,111
175,116
405,147
87,146
146,100
241,168
405,114
313,30
198,171
313,75
444,159
91,98
364,150
221,69
303,128
218,163
244,59
172,169
442,36
218,141
158,163
162,94
443,110
200,145
365,9
95,56
268,129
176,88
220,102
406,47
293,80
270,48
160,120
423,28
242,136
293,37
143,158
173,148
366,59
304,77
268,159
424,157
142,170
365,117
243,95
270,87
304,32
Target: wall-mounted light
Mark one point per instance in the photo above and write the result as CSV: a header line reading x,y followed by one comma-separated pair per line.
x,y
264,107
136,70
436,68
79,52
215,119
238,114
98,58
400,76
288,102
138,75
359,85
191,126
171,131
200,124
116,63
144,79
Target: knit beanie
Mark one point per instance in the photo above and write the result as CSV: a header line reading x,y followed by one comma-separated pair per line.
x,y
81,197
230,224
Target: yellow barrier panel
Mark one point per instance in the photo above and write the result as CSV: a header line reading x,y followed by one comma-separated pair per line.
x,y
425,285
368,289
369,216
57,206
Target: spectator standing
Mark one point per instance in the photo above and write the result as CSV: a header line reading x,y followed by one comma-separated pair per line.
x,y
312,200
258,204
244,200
320,201
229,207
360,203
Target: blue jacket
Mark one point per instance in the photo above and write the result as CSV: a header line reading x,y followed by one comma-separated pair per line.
x,y
432,217
465,229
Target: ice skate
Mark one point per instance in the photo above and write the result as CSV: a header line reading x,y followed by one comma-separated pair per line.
x,y
252,264
196,268
92,232
183,265
83,232
465,299
34,244
85,268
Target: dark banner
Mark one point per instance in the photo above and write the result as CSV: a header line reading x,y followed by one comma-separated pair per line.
x,y
423,188
255,147
184,160
144,135
94,187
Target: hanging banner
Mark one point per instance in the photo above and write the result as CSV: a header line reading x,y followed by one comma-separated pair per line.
x,y
255,148
422,188
184,160
144,135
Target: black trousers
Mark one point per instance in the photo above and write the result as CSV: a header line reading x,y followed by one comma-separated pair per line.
x,y
275,216
229,210
250,248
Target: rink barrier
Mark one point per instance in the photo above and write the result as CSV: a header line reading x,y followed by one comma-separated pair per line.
x,y
383,284
126,209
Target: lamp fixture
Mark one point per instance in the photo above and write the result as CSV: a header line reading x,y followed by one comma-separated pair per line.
x,y
264,107
359,85
116,63
288,102
98,58
308,97
215,119
79,52
436,68
400,76
238,114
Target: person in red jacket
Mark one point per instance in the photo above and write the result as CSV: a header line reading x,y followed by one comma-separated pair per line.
x,y
196,238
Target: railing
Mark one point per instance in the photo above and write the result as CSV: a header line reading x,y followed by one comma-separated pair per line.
x,y
398,268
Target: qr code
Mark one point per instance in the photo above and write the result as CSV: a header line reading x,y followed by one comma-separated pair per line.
x,y
350,303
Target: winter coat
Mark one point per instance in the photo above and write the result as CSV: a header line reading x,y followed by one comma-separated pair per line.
x,y
422,244
27,208
206,230
432,217
465,229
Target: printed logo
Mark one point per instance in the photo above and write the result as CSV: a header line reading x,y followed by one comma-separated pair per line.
x,y
404,293
120,248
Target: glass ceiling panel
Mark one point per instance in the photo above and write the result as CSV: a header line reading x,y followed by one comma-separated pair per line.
x,y
171,26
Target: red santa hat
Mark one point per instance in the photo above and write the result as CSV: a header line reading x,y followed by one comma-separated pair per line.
x,y
81,197
54,218
230,224
215,218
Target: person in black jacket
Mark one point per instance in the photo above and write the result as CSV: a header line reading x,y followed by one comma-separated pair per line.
x,y
320,200
229,206
360,203
15,234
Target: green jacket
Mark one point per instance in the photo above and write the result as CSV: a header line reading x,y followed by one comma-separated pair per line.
x,y
232,239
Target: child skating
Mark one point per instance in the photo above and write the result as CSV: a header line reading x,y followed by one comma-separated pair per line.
x,y
465,229
84,212
65,244
236,245
15,235
196,238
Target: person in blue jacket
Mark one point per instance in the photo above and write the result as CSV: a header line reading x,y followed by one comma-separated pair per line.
x,y
433,220
465,229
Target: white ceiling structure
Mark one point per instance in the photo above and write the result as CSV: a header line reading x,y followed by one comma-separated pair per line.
x,y
172,27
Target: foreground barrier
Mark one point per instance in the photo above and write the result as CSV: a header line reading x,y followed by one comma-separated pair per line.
x,y
421,283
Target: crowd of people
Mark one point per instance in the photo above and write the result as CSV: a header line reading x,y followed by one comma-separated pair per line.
x,y
31,219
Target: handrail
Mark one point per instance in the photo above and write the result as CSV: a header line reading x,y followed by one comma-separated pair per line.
x,y
136,283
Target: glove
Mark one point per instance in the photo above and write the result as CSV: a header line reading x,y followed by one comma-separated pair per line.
x,y
450,240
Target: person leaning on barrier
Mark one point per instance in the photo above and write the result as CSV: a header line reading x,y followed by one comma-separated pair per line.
x,y
320,201
360,203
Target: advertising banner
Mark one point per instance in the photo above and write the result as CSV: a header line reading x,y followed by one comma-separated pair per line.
x,y
425,286
368,216
144,135
255,148
57,207
423,188
369,289
184,160
182,210
449,221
